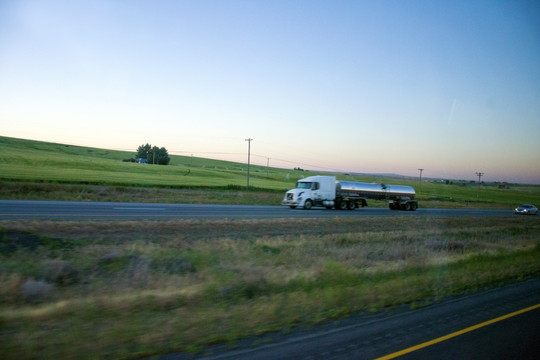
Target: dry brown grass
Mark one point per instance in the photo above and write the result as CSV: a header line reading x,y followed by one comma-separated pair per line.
x,y
130,194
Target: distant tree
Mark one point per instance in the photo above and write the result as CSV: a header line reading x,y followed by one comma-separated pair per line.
x,y
159,156
163,157
143,151
153,154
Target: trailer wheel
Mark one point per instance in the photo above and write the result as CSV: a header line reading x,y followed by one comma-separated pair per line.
x,y
414,206
407,206
351,205
308,204
343,205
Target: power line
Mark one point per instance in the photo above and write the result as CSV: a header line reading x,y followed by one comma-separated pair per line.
x,y
300,163
204,152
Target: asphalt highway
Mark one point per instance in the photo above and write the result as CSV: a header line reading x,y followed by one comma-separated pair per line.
x,y
500,323
71,210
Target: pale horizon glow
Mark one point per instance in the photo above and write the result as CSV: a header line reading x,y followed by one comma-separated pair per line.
x,y
353,86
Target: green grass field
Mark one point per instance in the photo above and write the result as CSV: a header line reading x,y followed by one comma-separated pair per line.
x,y
35,163
23,160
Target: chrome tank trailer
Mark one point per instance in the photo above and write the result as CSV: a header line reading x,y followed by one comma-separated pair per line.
x,y
374,191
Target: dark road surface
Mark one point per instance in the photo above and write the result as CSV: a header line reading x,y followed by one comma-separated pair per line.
x,y
71,210
473,324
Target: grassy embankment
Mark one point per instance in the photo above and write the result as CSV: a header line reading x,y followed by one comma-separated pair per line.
x,y
108,289
46,171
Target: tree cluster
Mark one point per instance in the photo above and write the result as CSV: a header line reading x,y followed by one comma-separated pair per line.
x,y
153,154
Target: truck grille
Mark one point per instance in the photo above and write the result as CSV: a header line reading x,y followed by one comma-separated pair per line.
x,y
290,196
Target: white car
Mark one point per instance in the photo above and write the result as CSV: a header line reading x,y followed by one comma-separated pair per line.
x,y
526,209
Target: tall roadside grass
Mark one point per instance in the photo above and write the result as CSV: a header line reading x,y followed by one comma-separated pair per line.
x,y
111,289
230,195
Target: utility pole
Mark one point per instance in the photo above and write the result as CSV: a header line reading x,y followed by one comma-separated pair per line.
x,y
249,155
479,174
421,170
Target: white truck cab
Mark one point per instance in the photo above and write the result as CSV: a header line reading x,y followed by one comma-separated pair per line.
x,y
313,190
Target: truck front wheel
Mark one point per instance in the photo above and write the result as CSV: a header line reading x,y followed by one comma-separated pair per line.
x,y
308,204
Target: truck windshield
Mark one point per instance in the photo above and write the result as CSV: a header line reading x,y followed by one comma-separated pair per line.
x,y
303,185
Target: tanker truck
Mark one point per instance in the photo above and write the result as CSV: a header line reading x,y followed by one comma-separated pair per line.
x,y
341,195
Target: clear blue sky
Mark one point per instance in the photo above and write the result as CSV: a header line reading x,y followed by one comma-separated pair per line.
x,y
366,86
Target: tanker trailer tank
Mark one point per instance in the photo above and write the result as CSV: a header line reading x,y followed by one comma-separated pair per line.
x,y
400,196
